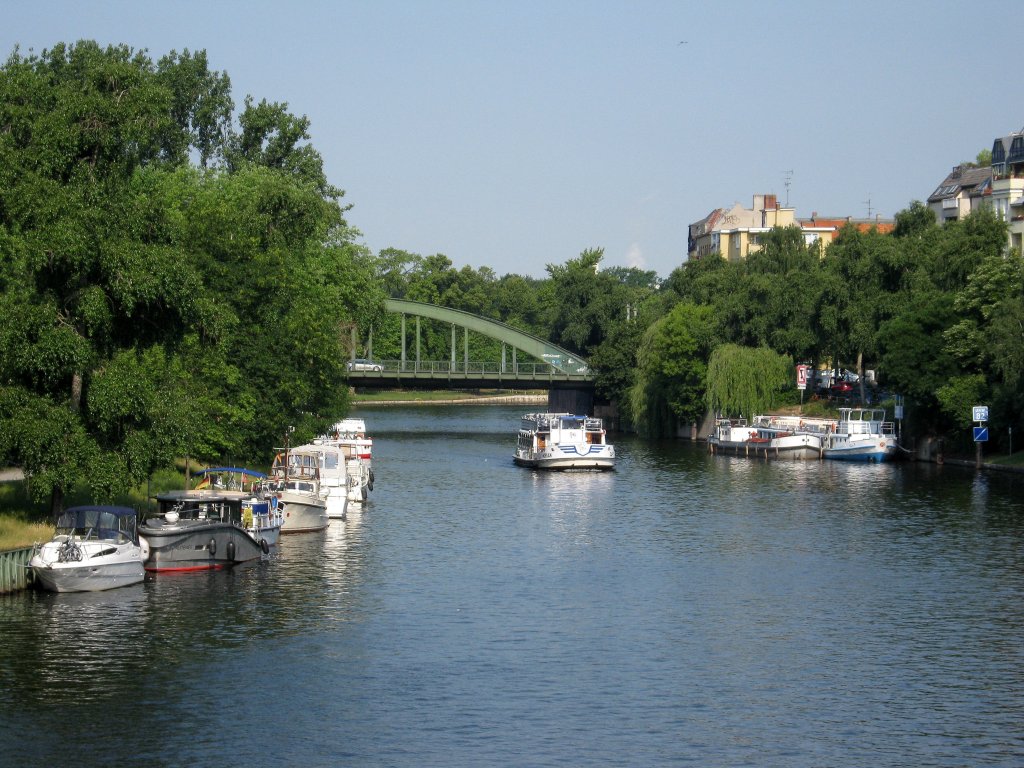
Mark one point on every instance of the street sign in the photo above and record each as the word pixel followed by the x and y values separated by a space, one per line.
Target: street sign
pixel 801 376
pixel 981 413
pixel 981 434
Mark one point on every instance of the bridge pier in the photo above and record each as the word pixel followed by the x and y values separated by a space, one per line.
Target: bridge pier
pixel 571 399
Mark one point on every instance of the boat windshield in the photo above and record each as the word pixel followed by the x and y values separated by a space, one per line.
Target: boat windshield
pixel 110 524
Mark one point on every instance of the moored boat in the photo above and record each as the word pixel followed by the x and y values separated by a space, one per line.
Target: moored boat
pixel 331 474
pixel 349 438
pixel 769 437
pixel 295 482
pixel 199 530
pixel 261 514
pixel 861 434
pixel 94 548
pixel 563 441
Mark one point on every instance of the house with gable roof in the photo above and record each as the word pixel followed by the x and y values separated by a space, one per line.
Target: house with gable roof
pixel 965 189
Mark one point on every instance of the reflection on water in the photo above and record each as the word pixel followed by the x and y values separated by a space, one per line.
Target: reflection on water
pixel 684 609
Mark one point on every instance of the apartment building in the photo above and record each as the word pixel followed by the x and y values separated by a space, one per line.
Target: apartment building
pixel 737 232
pixel 965 189
pixel 1008 184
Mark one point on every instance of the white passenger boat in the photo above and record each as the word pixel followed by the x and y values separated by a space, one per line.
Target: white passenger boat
pixel 199 530
pixel 563 441
pixel 295 482
pixel 94 548
pixel 861 434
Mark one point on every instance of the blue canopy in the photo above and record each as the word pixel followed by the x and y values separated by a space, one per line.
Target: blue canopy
pixel 235 470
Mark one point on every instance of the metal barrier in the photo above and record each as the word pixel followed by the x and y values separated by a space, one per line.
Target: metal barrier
pixel 14 571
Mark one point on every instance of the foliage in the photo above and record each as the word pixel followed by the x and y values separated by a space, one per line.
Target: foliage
pixel 157 307
pixel 744 381
pixel 671 367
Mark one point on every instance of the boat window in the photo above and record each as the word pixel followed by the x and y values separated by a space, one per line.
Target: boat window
pixel 330 461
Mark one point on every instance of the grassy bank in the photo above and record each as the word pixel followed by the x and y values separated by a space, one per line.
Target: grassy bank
pixel 24 522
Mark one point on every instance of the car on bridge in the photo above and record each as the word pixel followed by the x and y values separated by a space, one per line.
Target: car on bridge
pixel 361 364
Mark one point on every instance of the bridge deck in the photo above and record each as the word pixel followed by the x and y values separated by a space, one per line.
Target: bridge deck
pixel 437 375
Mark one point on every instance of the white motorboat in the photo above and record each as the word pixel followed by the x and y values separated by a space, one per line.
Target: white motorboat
pixel 563 441
pixel 349 438
pixel 295 482
pixel 333 479
pixel 200 530
pixel 862 434
pixel 94 548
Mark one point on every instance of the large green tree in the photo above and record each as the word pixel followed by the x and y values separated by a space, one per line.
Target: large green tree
pixel 169 285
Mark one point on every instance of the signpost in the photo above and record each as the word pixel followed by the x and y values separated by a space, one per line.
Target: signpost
pixel 801 381
pixel 980 415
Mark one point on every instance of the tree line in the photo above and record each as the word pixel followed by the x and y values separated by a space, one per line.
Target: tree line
pixel 179 278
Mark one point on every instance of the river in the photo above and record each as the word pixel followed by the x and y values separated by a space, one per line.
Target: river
pixel 686 609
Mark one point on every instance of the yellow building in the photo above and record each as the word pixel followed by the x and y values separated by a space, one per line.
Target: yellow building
pixel 737 232
pixel 734 233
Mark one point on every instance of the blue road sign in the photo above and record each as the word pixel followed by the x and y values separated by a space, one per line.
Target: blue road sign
pixel 981 434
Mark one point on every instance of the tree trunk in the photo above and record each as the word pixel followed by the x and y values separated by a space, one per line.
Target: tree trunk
pixel 860 374
pixel 57 494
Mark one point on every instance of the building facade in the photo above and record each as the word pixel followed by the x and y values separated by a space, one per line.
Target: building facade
pixel 1008 184
pixel 965 189
pixel 737 232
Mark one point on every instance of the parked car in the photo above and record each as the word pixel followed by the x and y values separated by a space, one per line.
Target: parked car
pixel 361 364
pixel 840 389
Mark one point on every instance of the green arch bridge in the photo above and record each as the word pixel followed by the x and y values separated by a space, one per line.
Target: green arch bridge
pixel 564 374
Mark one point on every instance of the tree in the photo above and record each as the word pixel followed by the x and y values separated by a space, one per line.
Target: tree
pixel 671 366
pixel 744 381
pixel 155 308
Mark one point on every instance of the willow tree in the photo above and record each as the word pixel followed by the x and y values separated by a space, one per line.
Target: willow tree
pixel 744 381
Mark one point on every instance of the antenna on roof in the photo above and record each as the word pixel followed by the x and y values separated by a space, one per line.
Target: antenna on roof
pixel 786 183
pixel 868 204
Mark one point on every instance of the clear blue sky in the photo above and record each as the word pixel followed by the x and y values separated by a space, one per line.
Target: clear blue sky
pixel 513 135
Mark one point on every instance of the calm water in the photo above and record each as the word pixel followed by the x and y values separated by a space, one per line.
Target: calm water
pixel 684 610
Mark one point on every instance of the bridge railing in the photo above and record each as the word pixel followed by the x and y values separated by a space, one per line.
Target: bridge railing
pixel 429 367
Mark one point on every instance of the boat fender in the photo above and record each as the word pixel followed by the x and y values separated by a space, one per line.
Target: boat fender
pixel 264 546
pixel 212 546
pixel 144 547
pixel 363 493
pixel 231 550
pixel 369 483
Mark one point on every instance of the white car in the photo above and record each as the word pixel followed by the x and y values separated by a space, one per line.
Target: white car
pixel 359 364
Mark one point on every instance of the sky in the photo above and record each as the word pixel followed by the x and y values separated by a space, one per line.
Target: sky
pixel 514 135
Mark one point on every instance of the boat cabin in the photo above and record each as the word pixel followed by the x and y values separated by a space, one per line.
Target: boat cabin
pixel 116 524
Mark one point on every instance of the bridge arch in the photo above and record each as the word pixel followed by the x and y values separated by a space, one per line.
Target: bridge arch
pixel 561 360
